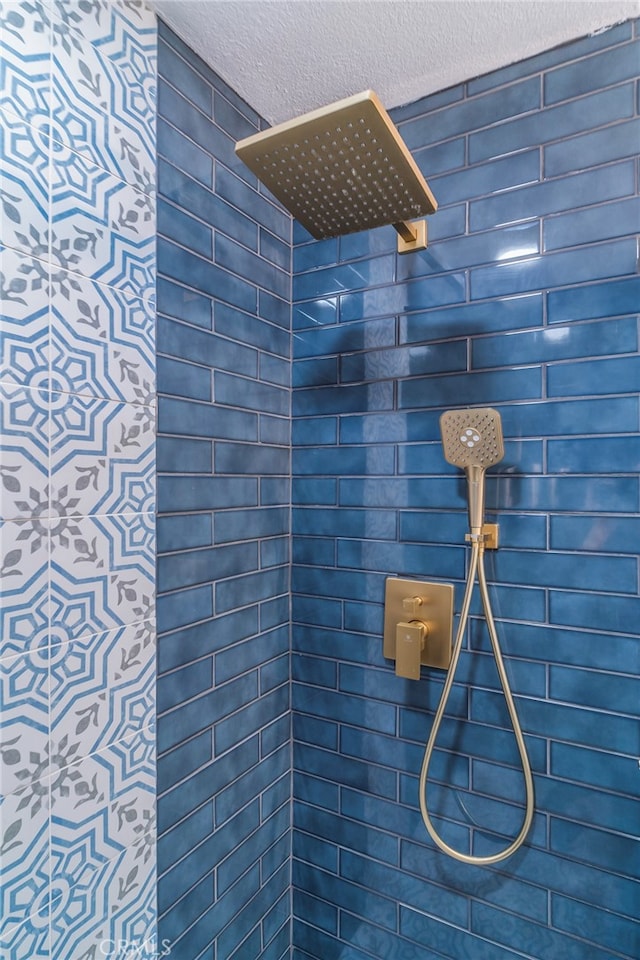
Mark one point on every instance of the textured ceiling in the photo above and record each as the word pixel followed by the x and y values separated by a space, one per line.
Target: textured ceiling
pixel 286 57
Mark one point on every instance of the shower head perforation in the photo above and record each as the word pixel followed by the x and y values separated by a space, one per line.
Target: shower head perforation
pixel 472 437
pixel 359 146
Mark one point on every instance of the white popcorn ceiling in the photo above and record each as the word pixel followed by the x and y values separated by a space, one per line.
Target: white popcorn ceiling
pixel 286 57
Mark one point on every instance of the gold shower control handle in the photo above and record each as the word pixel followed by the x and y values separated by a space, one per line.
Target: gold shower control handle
pixel 410 639
pixel 411 605
pixel 418 625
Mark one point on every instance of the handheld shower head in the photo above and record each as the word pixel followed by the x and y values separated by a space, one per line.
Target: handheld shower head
pixel 472 439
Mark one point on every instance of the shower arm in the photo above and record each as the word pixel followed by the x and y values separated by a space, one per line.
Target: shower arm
pixel 412 235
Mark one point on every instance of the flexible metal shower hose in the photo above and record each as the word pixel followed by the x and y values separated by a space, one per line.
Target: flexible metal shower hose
pixel 476 565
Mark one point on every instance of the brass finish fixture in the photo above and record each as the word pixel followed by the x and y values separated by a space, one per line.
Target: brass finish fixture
pixel 472 439
pixel 490 535
pixel 418 625
pixel 342 169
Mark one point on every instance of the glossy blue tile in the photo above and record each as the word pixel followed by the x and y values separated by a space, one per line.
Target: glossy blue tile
pixel 368 243
pixel 556 343
pixel 595 534
pixel 245 200
pixel 486 178
pixel 582 47
pixel 193 642
pixel 233 114
pixel 570 417
pixel 190 121
pixel 179 455
pixel 344 708
pixel 609 299
pixel 403 297
pixel 602 455
pixel 491 923
pixel 197 272
pixel 554 196
pixel 242 458
pixel 190 567
pixel 233 525
pixel 472 114
pixel 449 905
pixel 616 614
pixel 554 123
pixel 185 836
pixel 425 104
pixel 179 609
pixel 552 269
pixel 344 460
pixel 184 531
pixel 370 524
pixel 595 769
pixel 250 720
pixel 353 836
pixel 401 559
pixel 201 202
pixel 353 896
pixel 448 940
pixel 250 394
pixel 251 784
pixel 184 684
pixel 337 279
pixel 205 493
pixel 232 593
pixel 311 256
pixel 346 399
pixel 179 340
pixel 188 81
pixel 494 245
pixel 474 388
pixel 184 229
pixel 250 330
pixel 184 379
pixel 612 851
pixel 592 689
pixel 345 338
pixel 473 318
pixel 586 226
pixel 610 932
pixel 173 145
pixel 593 377
pixel 312 313
pixel 614 142
pixel 404 362
pixel 562 570
pixel 317 912
pixel 243 263
pixel 592 73
pixel 275 310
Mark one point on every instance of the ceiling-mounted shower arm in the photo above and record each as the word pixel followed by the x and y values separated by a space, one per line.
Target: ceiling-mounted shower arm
pixel 342 169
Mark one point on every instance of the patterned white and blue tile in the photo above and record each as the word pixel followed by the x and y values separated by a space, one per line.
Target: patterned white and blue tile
pixel 102 453
pixel 24 320
pixel 24 185
pixel 24 449
pixel 102 342
pixel 94 109
pixel 104 226
pixel 25 61
pixel 103 577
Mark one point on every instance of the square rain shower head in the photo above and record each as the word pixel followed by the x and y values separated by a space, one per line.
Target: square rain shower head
pixel 341 169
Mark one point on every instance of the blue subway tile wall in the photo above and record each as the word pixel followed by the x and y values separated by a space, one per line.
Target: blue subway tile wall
pixel 77 491
pixel 224 792
pixel 526 299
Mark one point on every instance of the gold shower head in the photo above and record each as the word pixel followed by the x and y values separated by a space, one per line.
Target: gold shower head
pixel 342 169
